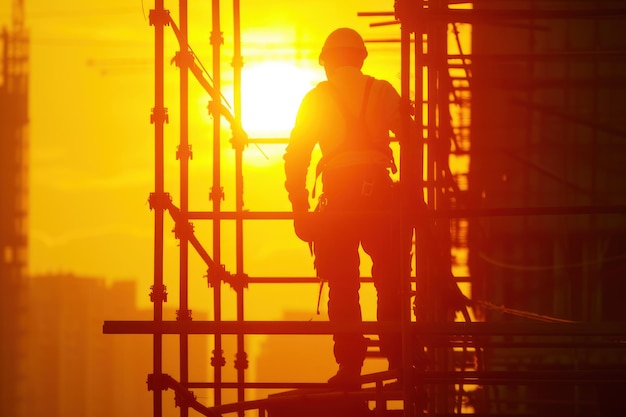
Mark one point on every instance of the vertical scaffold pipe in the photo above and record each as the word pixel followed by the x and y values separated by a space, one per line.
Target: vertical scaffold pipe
pixel 183 157
pixel 158 119
pixel 407 181
pixel 216 196
pixel 421 256
pixel 437 161
pixel 241 360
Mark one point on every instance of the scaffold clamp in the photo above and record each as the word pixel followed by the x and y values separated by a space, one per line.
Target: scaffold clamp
pixel 217 38
pixel 184 398
pixel 183 59
pixel 240 137
pixel 238 281
pixel 216 274
pixel 160 201
pixel 237 61
pixel 158 293
pixel 184 152
pixel 218 358
pixel 241 360
pixel 216 193
pixel 159 115
pixel 156 382
pixel 213 108
pixel 183 230
pixel 183 315
pixel 160 17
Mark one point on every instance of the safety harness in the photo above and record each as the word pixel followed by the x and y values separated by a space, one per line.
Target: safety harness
pixel 358 136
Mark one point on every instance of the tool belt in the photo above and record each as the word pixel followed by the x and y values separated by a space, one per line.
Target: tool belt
pixel 356 185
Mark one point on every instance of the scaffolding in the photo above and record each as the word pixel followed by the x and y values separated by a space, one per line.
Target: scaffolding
pixel 446 363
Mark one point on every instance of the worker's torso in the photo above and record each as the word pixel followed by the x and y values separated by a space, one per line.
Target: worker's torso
pixel 345 93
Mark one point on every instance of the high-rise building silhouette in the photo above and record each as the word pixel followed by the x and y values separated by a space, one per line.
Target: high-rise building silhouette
pixel 13 206
pixel 71 369
pixel 547 145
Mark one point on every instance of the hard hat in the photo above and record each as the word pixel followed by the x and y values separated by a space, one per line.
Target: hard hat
pixel 343 38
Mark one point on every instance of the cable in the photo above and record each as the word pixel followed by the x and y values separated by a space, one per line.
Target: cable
pixel 521 313
pixel 500 264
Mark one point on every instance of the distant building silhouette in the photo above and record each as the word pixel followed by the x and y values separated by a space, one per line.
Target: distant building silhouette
pixel 73 370
pixel 13 207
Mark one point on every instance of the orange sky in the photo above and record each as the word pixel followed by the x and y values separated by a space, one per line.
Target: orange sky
pixel 91 143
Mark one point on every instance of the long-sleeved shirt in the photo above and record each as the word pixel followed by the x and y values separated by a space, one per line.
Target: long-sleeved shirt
pixel 321 120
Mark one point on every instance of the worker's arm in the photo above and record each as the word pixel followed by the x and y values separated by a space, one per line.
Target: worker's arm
pixel 303 139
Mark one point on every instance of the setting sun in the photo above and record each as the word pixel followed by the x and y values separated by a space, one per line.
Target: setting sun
pixel 271 95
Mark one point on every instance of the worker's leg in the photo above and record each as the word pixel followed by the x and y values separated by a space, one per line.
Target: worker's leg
pixel 389 246
pixel 337 262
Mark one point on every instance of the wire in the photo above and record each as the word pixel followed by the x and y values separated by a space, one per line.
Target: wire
pixel 207 74
pixel 500 264
pixel 521 313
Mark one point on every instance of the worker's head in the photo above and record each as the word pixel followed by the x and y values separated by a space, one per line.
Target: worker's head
pixel 343 47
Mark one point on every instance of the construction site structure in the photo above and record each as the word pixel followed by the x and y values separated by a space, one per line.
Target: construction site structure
pixel 13 204
pixel 535 110
pixel 547 137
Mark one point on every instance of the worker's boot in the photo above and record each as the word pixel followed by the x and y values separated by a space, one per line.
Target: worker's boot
pixel 349 353
pixel 347 378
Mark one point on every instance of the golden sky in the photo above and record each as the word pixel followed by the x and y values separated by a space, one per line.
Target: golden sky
pixel 91 143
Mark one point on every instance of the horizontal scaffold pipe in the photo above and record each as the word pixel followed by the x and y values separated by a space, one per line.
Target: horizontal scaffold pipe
pixel 302 398
pixel 591 55
pixel 246 215
pixel 523 377
pixel 439 213
pixel 478 16
pixel 270 215
pixel 529 211
pixel 369 378
pixel 613 329
pixel 315 280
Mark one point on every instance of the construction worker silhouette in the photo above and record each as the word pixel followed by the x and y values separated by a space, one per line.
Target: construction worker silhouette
pixel 349 116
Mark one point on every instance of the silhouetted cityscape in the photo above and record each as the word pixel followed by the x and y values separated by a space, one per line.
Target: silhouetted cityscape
pixel 535 221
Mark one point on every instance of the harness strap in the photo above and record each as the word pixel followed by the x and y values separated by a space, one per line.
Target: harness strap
pixel 353 125
pixel 356 128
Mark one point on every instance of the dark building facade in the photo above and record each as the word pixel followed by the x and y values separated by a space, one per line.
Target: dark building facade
pixel 72 369
pixel 547 160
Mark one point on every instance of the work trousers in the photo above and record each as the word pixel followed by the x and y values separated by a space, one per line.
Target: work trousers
pixel 360 206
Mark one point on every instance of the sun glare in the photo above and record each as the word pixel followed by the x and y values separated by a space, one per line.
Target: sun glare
pixel 271 95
